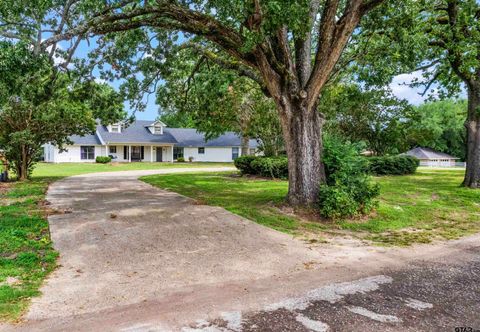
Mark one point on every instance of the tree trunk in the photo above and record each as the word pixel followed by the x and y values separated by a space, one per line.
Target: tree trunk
pixel 302 131
pixel 245 145
pixel 472 173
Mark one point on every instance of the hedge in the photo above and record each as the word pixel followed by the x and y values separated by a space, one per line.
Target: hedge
pixel 272 167
pixel 392 165
pixel 103 159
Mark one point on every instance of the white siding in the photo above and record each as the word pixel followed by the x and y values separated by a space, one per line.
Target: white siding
pixel 212 154
pixel 437 162
pixel 72 154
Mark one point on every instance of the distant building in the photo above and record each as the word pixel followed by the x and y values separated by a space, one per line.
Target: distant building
pixel 432 158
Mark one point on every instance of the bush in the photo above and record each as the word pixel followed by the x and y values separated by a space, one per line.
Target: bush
pixel 243 163
pixel 180 159
pixel 349 191
pixel 392 165
pixel 271 167
pixel 103 159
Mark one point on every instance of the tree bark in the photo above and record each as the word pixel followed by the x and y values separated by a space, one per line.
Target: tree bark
pixel 302 131
pixel 22 169
pixel 245 146
pixel 472 173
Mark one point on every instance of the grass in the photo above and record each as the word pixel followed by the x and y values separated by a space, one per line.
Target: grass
pixel 419 208
pixel 69 169
pixel 26 251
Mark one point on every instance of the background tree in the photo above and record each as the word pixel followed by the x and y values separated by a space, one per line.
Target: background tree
pixel 38 105
pixel 291 48
pixel 374 116
pixel 440 126
pixel 214 100
pixel 440 39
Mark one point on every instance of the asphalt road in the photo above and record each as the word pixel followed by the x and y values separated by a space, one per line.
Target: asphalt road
pixel 425 296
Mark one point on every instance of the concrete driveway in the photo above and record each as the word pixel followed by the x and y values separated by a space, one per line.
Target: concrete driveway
pixel 137 258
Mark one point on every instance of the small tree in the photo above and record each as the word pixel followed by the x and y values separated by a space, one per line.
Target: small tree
pixel 39 105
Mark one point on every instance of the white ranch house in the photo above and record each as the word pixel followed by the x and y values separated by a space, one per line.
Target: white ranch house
pixel 150 141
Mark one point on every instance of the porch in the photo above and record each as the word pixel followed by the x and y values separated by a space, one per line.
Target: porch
pixel 138 152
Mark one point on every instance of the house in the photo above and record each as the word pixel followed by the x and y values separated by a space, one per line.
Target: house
pixel 150 141
pixel 432 158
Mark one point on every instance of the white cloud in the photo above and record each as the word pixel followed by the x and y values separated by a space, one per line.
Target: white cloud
pixel 401 89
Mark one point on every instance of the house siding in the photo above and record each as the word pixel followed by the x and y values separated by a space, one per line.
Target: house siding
pixel 212 154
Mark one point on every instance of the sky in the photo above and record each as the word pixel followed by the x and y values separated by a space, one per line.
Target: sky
pixel 399 87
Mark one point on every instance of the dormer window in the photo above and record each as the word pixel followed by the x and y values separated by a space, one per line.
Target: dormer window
pixel 158 129
pixel 115 128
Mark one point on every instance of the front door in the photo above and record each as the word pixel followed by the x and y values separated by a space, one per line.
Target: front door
pixel 159 153
pixel 136 153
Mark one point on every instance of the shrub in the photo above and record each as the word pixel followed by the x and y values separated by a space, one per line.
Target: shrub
pixel 190 159
pixel 243 163
pixel 180 159
pixel 103 159
pixel 393 165
pixel 270 167
pixel 348 190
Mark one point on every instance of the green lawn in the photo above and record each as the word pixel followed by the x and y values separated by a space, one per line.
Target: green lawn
pixel 68 169
pixel 412 209
pixel 26 252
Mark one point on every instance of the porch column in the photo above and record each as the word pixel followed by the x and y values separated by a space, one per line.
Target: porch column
pixel 106 152
pixel 151 154
pixel 171 154
pixel 129 153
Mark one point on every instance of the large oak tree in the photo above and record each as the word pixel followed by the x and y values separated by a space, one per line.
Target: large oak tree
pixel 291 48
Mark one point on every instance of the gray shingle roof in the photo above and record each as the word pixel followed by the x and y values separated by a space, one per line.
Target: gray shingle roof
pixel 85 140
pixel 187 137
pixel 137 132
pixel 427 153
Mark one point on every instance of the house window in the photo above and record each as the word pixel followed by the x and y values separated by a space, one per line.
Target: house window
pixel 116 128
pixel 87 152
pixel 177 153
pixel 112 149
pixel 158 129
pixel 235 152
pixel 201 150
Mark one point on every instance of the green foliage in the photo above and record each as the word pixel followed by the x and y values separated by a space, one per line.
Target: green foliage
pixel 244 164
pixel 348 191
pixel 39 105
pixel 103 159
pixel 270 167
pixel 439 125
pixel 202 95
pixel 181 159
pixel 373 116
pixel 393 165
pixel 274 167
